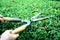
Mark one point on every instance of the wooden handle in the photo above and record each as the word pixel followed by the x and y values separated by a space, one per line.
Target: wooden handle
pixel 6 19
pixel 19 29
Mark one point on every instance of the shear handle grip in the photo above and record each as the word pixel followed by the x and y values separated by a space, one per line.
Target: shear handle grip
pixel 11 19
pixel 19 29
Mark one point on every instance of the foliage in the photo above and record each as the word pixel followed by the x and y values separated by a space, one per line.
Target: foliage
pixel 48 29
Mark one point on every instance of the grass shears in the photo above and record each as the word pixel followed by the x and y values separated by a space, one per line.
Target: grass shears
pixel 23 27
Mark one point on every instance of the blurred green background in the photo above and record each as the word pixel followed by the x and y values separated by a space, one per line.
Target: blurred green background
pixel 48 29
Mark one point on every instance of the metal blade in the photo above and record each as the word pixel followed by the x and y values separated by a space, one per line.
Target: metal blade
pixel 34 17
pixel 39 19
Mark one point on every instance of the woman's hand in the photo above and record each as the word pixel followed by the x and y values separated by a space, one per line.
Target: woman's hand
pixel 8 36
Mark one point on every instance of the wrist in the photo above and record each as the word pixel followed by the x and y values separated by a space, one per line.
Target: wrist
pixel 3 38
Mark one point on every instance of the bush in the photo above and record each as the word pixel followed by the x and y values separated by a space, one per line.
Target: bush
pixel 48 29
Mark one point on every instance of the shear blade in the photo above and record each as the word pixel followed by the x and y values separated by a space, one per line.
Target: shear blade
pixel 39 19
pixel 34 17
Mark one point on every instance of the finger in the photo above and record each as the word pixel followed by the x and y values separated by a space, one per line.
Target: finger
pixel 1 16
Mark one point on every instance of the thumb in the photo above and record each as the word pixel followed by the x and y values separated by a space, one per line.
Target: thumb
pixel 15 35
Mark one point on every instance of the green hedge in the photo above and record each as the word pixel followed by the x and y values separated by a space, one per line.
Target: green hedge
pixel 48 29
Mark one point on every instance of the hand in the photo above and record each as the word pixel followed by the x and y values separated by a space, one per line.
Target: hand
pixel 8 36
